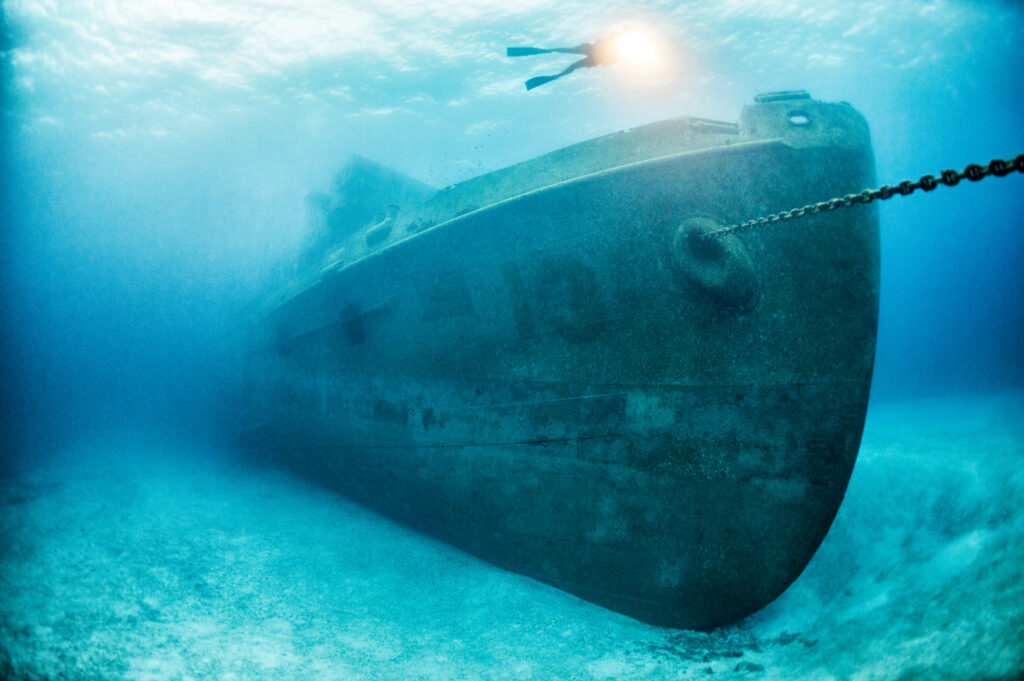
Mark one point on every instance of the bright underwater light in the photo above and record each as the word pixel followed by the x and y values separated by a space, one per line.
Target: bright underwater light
pixel 634 47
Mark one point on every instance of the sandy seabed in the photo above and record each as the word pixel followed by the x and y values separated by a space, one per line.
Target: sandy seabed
pixel 125 557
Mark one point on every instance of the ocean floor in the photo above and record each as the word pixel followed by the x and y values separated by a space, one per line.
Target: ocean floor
pixel 127 557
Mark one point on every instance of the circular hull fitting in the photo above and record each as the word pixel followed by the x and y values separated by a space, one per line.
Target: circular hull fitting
pixel 718 266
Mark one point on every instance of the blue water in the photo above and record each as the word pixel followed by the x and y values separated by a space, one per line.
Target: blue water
pixel 156 157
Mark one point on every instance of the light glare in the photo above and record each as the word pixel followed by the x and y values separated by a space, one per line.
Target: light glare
pixel 635 48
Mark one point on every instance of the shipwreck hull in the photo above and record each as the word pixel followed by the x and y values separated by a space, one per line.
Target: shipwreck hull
pixel 571 383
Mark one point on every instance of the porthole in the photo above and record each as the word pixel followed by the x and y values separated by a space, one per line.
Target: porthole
pixel 798 119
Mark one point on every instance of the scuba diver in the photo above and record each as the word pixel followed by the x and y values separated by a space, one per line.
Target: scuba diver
pixel 604 52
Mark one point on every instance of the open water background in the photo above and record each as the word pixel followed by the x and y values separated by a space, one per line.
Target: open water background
pixel 156 158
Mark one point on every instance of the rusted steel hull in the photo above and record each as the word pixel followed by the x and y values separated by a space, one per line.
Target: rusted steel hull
pixel 570 385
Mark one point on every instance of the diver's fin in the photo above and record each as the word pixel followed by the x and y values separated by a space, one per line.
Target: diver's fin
pixel 528 51
pixel 538 81
pixel 525 51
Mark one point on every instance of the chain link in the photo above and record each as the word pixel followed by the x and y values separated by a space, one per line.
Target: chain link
pixel 950 178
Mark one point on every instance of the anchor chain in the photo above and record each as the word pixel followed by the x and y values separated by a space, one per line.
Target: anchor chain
pixel 950 178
